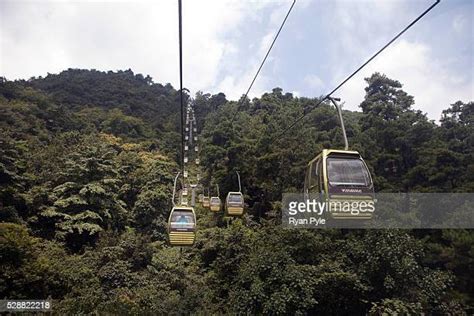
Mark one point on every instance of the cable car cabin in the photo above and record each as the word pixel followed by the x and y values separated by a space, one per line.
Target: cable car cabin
pixel 186 137
pixel 196 148
pixel 187 129
pixel 195 130
pixel 182 226
pixel 185 159
pixel 234 204
pixel 185 174
pixel 186 147
pixel 195 138
pixel 197 161
pixel 215 204
pixel 339 176
pixel 205 201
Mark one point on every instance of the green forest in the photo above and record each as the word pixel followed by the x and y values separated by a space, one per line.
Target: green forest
pixel 87 163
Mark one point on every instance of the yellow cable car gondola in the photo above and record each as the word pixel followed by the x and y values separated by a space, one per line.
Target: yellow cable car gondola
pixel 215 204
pixel 205 201
pixel 234 204
pixel 181 222
pixel 182 226
pixel 215 201
pixel 337 176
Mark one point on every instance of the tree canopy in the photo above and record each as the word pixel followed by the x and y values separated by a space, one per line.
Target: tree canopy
pixel 87 161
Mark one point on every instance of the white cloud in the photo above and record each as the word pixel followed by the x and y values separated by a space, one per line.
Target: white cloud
pixel 314 83
pixel 225 41
pixel 235 87
pixel 38 37
pixel 431 77
pixel 459 23
pixel 428 79
pixel 265 43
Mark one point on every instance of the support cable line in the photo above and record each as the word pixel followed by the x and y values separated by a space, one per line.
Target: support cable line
pixel 182 219
pixel 263 62
pixel 181 82
pixel 309 109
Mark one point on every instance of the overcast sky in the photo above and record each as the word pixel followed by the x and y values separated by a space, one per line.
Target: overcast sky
pixel 224 42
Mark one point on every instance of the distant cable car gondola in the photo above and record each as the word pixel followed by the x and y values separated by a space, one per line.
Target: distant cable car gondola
pixel 215 204
pixel 205 201
pixel 234 203
pixel 197 161
pixel 338 176
pixel 181 223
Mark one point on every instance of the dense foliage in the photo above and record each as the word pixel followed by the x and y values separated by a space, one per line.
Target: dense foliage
pixel 87 160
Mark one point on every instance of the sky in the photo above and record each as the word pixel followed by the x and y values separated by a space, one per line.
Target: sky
pixel 224 42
